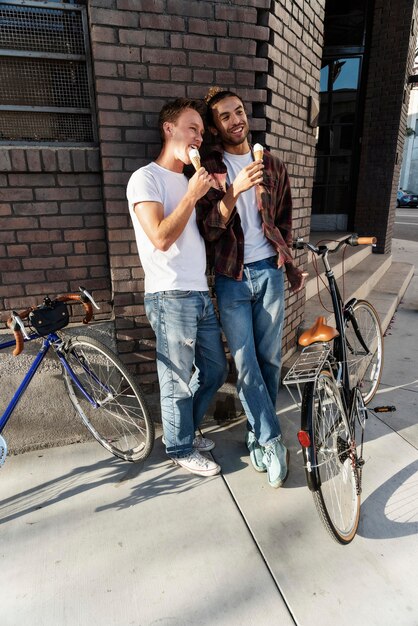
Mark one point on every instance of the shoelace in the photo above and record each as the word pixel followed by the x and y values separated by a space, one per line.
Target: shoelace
pixel 268 452
pixel 198 458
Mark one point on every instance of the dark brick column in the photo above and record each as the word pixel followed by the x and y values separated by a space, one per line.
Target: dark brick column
pixel 386 108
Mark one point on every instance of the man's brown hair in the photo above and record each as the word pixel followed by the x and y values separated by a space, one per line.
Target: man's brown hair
pixel 213 96
pixel 173 109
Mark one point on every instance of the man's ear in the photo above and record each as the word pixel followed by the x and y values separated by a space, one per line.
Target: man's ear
pixel 168 128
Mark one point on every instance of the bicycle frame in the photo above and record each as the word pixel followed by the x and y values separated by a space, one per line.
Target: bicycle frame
pixel 340 348
pixel 56 342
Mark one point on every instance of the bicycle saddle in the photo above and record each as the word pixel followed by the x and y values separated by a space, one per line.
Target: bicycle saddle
pixel 320 331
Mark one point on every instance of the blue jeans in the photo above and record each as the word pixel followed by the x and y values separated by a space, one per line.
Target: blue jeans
pixel 252 313
pixel 191 362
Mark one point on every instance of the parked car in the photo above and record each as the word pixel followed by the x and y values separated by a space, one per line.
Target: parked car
pixel 406 198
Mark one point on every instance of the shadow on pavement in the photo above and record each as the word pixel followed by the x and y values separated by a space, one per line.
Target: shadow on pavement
pixel 392 509
pixel 158 477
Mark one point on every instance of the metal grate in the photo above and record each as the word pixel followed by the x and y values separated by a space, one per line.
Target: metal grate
pixel 35 126
pixel 45 80
pixel 41 29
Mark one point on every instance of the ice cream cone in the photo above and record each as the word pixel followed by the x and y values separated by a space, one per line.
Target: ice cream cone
pixel 194 158
pixel 258 152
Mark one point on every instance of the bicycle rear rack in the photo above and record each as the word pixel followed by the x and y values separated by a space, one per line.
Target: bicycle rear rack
pixel 307 367
pixel 309 364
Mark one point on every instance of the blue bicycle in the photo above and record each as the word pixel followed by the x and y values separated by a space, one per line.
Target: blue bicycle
pixel 100 387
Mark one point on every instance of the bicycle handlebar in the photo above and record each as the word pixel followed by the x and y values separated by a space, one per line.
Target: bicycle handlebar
pixel 351 240
pixel 15 322
pixel 365 241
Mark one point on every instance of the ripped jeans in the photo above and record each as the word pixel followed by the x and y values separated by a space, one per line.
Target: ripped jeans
pixel 191 362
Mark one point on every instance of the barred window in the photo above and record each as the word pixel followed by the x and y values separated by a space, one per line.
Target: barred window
pixel 46 91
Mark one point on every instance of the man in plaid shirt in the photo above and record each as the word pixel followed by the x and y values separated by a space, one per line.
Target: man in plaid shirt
pixel 246 220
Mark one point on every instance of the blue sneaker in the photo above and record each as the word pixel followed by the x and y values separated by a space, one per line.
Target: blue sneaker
pixel 276 460
pixel 256 452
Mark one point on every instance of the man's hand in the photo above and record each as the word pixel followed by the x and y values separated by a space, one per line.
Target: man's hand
pixel 296 277
pixel 200 183
pixel 248 177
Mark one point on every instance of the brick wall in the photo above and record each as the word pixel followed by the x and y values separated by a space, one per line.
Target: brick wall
pixel 385 117
pixel 294 53
pixel 146 52
pixel 52 234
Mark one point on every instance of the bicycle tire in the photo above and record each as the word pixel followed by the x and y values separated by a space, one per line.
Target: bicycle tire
pixel 121 422
pixel 365 370
pixel 334 480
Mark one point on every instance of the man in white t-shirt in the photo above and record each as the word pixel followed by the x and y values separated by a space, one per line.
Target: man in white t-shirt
pixel 247 219
pixel 190 356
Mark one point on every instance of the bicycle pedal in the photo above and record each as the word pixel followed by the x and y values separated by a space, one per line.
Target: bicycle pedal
pixel 384 409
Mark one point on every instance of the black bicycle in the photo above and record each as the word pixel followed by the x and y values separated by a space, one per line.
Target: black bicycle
pixel 340 368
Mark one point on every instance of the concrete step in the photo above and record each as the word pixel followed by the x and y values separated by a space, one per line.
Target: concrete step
pixel 356 283
pixel 342 261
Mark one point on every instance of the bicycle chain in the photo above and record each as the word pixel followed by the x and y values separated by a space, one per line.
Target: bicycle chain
pixel 346 451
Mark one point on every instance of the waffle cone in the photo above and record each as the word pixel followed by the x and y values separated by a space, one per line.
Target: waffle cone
pixel 195 162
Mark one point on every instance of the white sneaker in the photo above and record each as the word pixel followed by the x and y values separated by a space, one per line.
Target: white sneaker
pixel 198 464
pixel 200 443
pixel 203 444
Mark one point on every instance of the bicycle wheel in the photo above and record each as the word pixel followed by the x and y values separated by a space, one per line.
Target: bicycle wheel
pixel 364 366
pixel 335 487
pixel 119 418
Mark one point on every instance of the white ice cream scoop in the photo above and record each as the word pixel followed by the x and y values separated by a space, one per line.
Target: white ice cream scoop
pixel 258 152
pixel 194 158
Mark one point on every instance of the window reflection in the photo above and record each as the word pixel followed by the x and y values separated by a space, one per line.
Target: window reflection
pixel 344 45
pixel 338 86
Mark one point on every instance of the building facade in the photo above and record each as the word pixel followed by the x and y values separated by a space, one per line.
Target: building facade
pixel 326 87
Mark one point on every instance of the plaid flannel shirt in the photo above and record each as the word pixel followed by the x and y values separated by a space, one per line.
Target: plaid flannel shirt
pixel 226 241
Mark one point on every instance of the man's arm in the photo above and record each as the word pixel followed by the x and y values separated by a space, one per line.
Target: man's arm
pixel 248 177
pixel 216 209
pixel 283 216
pixel 164 231
pixel 283 221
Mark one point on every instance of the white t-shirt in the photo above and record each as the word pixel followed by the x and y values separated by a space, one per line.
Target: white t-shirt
pixel 256 246
pixel 183 265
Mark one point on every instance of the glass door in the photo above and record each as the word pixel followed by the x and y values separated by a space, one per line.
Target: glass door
pixel 332 191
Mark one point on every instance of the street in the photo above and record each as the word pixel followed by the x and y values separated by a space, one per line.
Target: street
pixel 406 224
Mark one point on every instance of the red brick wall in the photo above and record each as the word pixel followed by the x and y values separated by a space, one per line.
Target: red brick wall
pixel 52 234
pixel 146 52
pixel 386 109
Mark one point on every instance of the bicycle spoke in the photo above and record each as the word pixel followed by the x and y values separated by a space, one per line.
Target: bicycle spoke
pixel 119 419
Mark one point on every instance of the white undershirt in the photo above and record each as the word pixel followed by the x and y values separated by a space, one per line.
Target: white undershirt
pixel 183 265
pixel 256 246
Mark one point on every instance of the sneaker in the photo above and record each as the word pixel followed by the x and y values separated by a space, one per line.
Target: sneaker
pixel 200 443
pixel 198 464
pixel 203 444
pixel 256 452
pixel 276 460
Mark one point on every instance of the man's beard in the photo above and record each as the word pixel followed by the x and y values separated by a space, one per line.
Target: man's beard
pixel 235 141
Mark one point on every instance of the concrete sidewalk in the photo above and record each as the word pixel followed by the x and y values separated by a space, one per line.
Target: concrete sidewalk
pixel 86 538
